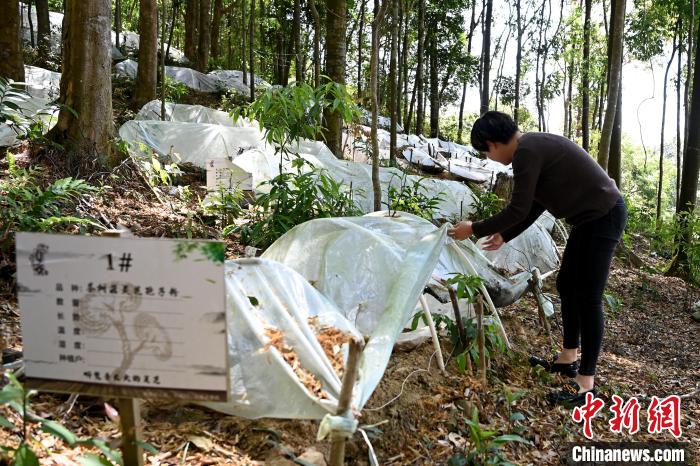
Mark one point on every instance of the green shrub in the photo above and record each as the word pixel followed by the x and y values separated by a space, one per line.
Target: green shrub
pixel 25 206
pixel 413 198
pixel 293 199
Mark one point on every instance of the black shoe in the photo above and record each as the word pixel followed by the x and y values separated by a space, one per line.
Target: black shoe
pixel 569 395
pixel 568 370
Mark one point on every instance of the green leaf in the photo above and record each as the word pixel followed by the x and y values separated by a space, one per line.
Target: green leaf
pixel 148 447
pixel 24 456
pixel 10 393
pixel 517 416
pixel 457 460
pixel 6 423
pixel 58 430
pixel 94 460
pixel 509 438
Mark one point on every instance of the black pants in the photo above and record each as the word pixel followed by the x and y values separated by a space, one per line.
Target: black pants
pixel 582 279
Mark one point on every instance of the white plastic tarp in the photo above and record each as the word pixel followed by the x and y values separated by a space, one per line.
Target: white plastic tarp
pixel 233 79
pixel 263 293
pixel 187 114
pixel 41 87
pixel 187 76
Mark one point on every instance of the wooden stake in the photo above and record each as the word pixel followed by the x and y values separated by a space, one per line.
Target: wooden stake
pixel 129 408
pixel 480 335
pixel 130 419
pixel 433 333
pixel 458 317
pixel 338 438
pixel 535 288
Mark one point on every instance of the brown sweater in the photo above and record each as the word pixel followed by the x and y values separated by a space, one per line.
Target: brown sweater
pixel 551 173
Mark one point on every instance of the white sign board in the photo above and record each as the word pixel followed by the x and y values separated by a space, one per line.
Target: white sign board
pixel 131 312
pixel 221 172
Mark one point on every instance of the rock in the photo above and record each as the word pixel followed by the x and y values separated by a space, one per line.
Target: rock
pixel 696 314
pixel 313 456
pixel 408 341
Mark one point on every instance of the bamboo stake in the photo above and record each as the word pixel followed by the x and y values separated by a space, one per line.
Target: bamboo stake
pixel 433 334
pixel 458 317
pixel 535 288
pixel 338 439
pixel 480 335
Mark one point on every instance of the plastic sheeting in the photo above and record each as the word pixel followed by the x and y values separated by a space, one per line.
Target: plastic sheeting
pixel 195 143
pixel 233 79
pixel 42 86
pixel 187 114
pixel 187 76
pixel 262 383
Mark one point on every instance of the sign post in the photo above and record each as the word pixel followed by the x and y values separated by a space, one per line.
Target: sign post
pixel 130 318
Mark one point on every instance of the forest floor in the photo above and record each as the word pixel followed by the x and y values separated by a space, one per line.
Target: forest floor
pixel 651 348
pixel 416 415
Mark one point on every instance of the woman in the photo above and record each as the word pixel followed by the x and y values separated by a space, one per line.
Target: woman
pixel 552 173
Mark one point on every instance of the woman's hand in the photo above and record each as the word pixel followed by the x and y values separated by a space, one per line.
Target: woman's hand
pixel 460 231
pixel 493 242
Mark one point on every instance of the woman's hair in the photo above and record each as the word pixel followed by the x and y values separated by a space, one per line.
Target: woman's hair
pixel 494 127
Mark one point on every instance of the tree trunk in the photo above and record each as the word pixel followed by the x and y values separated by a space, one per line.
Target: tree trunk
pixel 617 24
pixel 117 19
pixel 419 66
pixel 244 41
pixel 43 29
pixel 296 26
pixel 191 30
pixel 176 11
pixel 216 29
pixel 85 125
pixel 689 77
pixel 472 27
pixel 486 58
pixel 317 43
pixel 404 65
pixel 204 36
pixel 393 81
pixel 615 161
pixel 11 60
pixel 585 78
pixel 336 22
pixel 146 76
pixel 360 48
pixel 679 75
pixel 689 182
pixel 251 45
pixel 518 61
pixel 434 89
pixel 374 59
pixel 660 186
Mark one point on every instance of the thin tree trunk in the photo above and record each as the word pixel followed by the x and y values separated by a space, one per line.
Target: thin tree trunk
pixel 618 18
pixel 117 19
pixel 569 101
pixel 689 77
pixel 434 90
pixel 419 66
pixel 486 58
pixel 173 18
pixel 679 74
pixel 204 36
pixel 689 182
pixel 147 74
pixel 393 81
pixel 251 45
pixel 244 42
pixel 163 15
pixel 518 61
pixel 216 29
pixel 472 27
pixel 404 59
pixel 31 23
pixel 376 24
pixel 85 127
pixel 43 29
pixel 191 26
pixel 615 161
pixel 585 78
pixel 296 31
pixel 360 48
pixel 336 21
pixel 660 186
pixel 317 43
pixel 11 60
